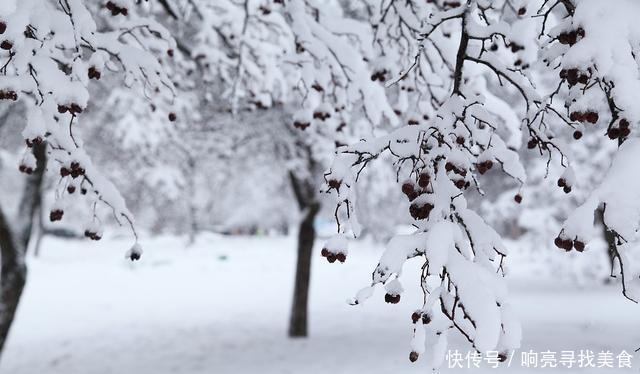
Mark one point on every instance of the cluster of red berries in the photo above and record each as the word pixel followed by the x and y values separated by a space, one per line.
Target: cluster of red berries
pixel 571 37
pixel 265 10
pixel 334 184
pixel 420 210
pixel 484 166
pixel 75 170
pixel 590 116
pixel 56 215
pixel 391 298
pixel 515 47
pixel 622 131
pixel 321 115
pixel 94 73
pixel 521 64
pixel 574 76
pixel 35 141
pixel 413 122
pixel 566 187
pixel 6 45
pixel 460 183
pixel 568 244
pixel 532 143
pixel 450 4
pixel 25 169
pixel 380 75
pixel 72 108
pixel 115 10
pixel 301 125
pixel 409 188
pixel 419 315
pixel 332 257
pixel 8 95
pixel 92 235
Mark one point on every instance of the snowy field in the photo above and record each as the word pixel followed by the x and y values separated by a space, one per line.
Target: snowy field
pixel 221 306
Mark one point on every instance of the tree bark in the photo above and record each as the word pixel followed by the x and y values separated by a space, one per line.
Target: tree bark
pixel 610 239
pixel 304 192
pixel 13 245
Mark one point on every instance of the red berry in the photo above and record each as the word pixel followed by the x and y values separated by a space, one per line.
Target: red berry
pixel 407 188
pixel 558 242
pixel 6 45
pixel 423 180
pixel 391 299
pixel 502 356
pixel 413 356
pixel 518 198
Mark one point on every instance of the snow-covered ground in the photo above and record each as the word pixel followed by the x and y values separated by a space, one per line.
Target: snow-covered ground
pixel 221 306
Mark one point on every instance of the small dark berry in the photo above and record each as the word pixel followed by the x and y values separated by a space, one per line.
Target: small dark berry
pixel 613 133
pixel 407 188
pixel 6 45
pixel 558 242
pixel 423 180
pixel 413 356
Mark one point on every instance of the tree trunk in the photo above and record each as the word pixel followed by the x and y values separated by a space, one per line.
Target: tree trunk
pixel 13 245
pixel 299 308
pixel 13 275
pixel 38 231
pixel 610 239
pixel 304 192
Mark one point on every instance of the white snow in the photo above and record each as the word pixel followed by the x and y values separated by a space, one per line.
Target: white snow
pixel 222 306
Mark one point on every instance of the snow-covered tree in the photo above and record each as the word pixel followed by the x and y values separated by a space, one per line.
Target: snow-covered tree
pixel 52 51
pixel 490 48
